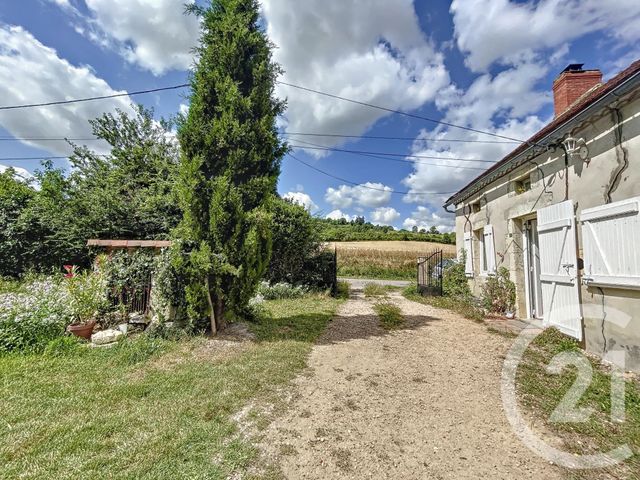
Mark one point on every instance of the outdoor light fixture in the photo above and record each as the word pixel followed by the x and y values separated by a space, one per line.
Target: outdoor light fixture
pixel 577 146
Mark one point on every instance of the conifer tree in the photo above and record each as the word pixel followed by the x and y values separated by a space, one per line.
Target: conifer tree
pixel 230 163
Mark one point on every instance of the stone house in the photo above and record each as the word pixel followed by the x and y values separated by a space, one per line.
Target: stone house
pixel 562 213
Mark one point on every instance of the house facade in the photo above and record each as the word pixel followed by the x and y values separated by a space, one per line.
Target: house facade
pixel 562 214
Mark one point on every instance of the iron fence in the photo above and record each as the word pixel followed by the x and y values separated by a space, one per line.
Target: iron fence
pixel 133 298
pixel 429 274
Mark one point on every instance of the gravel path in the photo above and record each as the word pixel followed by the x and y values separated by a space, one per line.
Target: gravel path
pixel 418 403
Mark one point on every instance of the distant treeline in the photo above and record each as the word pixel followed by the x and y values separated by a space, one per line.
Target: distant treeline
pixel 358 230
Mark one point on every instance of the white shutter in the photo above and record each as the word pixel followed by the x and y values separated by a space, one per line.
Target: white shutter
pixel 468 248
pixel 558 268
pixel 490 250
pixel 611 240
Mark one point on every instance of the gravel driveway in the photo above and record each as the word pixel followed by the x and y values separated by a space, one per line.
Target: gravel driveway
pixel 418 403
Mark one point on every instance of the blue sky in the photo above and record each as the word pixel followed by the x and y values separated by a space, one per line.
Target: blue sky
pixel 482 64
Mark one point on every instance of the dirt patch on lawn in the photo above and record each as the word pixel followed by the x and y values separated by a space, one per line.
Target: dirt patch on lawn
pixel 419 402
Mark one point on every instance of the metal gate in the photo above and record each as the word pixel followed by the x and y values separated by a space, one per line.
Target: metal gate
pixel 430 270
pixel 132 298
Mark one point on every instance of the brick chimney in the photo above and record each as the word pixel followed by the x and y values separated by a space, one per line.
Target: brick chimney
pixel 571 84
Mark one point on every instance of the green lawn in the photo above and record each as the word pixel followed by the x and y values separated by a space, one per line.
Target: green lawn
pixel 149 408
pixel 541 392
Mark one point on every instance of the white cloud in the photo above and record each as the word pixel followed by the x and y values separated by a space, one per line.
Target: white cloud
pixel 31 72
pixel 505 104
pixel 301 199
pixel 20 172
pixel 366 195
pixel 155 35
pixel 375 53
pixel 338 214
pixel 423 218
pixel 384 216
pixel 501 30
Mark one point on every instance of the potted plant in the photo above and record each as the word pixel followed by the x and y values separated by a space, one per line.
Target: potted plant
pixel 86 294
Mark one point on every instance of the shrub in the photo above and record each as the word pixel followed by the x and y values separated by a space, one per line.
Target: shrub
pixel 87 293
pixel 499 292
pixel 280 291
pixel 455 282
pixel 390 315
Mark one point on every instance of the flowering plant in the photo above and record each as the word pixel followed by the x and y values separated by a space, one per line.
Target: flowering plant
pixel 32 317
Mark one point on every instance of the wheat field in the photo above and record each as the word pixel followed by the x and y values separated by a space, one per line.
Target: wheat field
pixel 380 259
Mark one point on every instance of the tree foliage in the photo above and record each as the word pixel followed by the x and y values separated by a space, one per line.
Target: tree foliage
pixel 343 230
pixel 230 163
pixel 126 194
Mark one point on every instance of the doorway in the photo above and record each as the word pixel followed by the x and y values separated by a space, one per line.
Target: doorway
pixel 532 269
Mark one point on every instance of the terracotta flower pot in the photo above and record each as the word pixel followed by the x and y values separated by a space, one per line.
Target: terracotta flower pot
pixel 83 330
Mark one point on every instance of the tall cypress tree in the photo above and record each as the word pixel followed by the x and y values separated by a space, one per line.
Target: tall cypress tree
pixel 230 162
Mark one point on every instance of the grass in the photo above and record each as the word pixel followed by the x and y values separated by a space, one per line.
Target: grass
pixel 343 290
pixel 148 408
pixel 377 290
pixel 384 260
pixel 462 306
pixel 374 290
pixel 541 392
pixel 390 315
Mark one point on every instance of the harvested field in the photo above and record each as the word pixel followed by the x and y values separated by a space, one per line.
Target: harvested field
pixel 388 260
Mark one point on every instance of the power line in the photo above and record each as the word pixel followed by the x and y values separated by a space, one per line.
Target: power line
pixel 318 92
pixel 90 99
pixel 32 158
pixel 400 112
pixel 46 139
pixel 411 139
pixel 365 186
pixel 329 135
pixel 401 160
pixel 11 159
pixel 395 154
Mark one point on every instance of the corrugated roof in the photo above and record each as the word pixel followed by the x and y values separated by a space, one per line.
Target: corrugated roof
pixel 579 105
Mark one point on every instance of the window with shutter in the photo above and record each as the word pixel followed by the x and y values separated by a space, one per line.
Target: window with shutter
pixel 487 252
pixel 468 249
pixel 611 242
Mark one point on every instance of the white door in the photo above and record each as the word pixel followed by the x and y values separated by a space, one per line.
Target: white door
pixel 559 281
pixel 532 269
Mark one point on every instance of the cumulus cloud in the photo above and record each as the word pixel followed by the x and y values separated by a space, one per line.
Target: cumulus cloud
pixel 338 214
pixel 505 31
pixel 303 199
pixel 376 54
pixel 20 172
pixel 504 104
pixel 384 216
pixel 366 195
pixel 424 218
pixel 157 36
pixel 31 72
